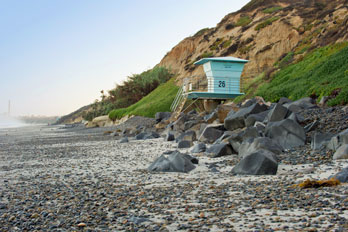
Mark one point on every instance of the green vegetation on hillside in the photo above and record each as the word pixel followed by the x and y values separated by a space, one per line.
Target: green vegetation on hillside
pixel 243 21
pixel 322 72
pixel 266 23
pixel 272 9
pixel 158 100
pixel 131 91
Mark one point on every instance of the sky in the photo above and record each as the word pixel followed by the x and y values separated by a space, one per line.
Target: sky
pixel 57 55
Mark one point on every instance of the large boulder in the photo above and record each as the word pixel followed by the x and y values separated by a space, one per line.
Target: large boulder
pixel 342 176
pixel 223 110
pixel 161 116
pixel 201 147
pixel 319 140
pixel 253 118
pixel 263 143
pixel 301 104
pixel 218 150
pixel 188 136
pixel 147 135
pixel 185 144
pixel 278 113
pixel 223 137
pixel 235 140
pixel 170 136
pixel 179 124
pixel 287 133
pixel 341 153
pixel 210 134
pixel 338 140
pixel 260 162
pixel 210 118
pixel 176 162
pixel 236 120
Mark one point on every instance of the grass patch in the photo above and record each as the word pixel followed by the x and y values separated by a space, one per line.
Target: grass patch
pixel 201 32
pixel 158 100
pixel 226 43
pixel 266 23
pixel 243 21
pixel 322 72
pixel 272 9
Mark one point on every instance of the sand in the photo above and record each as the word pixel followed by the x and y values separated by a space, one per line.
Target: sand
pixel 69 179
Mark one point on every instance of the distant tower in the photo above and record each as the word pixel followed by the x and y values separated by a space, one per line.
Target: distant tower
pixel 9 108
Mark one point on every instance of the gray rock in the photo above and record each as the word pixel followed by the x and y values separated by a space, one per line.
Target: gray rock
pixel 170 136
pixel 179 125
pixel 284 100
pixel 263 143
pixel 295 117
pixel 218 150
pixel 161 116
pixel 287 133
pixel 319 140
pixel 303 103
pixel 124 140
pixel 147 135
pixel 236 120
pixel 201 147
pixel 235 141
pixel 341 153
pixel 188 135
pixel 278 113
pixel 253 118
pixel 311 126
pixel 194 160
pixel 342 176
pixel 176 162
pixel 190 124
pixel 210 134
pixel 210 118
pixel 250 132
pixel 257 163
pixel 185 144
pixel 225 135
pixel 338 140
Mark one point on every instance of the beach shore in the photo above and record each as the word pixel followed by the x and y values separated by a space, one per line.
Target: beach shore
pixel 66 179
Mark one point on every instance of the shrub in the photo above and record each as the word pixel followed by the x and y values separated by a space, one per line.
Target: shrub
pixel 201 32
pixel 272 9
pixel 266 23
pixel 158 100
pixel 243 21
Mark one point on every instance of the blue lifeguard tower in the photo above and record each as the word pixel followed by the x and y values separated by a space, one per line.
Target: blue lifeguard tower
pixel 223 74
pixel 223 81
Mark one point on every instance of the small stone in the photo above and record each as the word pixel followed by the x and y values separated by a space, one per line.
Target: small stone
pixel 81 224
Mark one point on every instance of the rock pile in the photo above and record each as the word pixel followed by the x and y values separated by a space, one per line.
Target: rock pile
pixel 262 134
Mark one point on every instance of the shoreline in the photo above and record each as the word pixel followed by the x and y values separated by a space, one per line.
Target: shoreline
pixel 68 179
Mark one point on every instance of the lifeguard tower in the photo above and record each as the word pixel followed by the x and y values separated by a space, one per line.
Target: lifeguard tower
pixel 222 81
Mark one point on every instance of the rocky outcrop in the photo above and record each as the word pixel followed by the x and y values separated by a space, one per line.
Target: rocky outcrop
pixel 263 37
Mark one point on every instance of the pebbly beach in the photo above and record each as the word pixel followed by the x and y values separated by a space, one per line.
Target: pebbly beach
pixel 71 178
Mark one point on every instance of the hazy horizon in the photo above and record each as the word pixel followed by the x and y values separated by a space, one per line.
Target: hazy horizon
pixel 56 56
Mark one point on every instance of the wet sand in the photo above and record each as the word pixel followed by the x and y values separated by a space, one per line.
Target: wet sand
pixel 54 179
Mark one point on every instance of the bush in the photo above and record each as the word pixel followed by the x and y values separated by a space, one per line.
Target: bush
pixel 272 9
pixel 158 100
pixel 130 92
pixel 266 23
pixel 243 21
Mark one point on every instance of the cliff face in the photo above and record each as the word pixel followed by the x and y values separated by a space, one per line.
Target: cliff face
pixel 263 32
